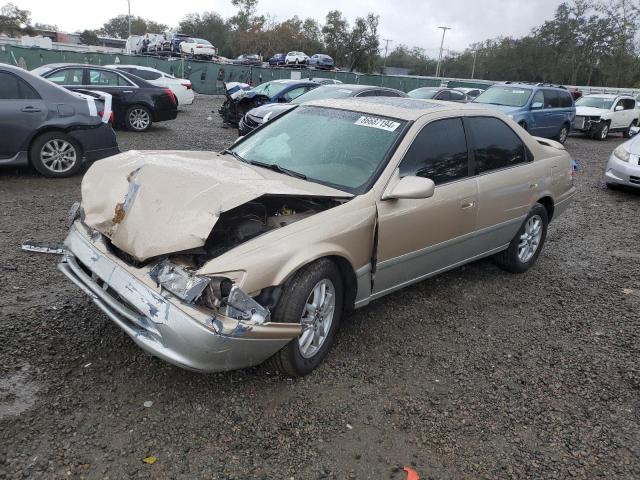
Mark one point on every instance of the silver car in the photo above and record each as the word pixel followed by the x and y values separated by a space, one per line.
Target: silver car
pixel 623 167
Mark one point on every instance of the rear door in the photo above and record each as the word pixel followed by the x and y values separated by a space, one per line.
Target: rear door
pixel 419 237
pixel 508 180
pixel 117 85
pixel 22 111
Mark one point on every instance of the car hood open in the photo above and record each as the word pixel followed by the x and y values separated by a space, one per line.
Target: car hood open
pixel 151 203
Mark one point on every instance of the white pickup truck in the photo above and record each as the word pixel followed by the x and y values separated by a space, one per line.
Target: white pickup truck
pixel 598 115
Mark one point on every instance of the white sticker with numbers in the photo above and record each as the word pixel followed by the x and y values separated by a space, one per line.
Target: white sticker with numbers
pixel 381 123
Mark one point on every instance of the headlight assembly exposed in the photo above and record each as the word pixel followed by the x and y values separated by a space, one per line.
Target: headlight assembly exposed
pixel 178 280
pixel 621 154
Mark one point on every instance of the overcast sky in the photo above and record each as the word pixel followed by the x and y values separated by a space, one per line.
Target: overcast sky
pixel 412 22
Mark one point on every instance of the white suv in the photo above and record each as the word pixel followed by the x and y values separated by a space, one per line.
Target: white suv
pixel 597 115
pixel 296 58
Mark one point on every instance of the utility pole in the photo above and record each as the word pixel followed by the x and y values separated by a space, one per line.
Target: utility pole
pixel 473 69
pixel 444 30
pixel 386 49
pixel 129 16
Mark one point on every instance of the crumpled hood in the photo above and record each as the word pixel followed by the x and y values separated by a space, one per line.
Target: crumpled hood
pixel 590 111
pixel 158 202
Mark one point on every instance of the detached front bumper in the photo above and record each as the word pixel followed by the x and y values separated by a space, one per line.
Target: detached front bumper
pixel 623 173
pixel 161 324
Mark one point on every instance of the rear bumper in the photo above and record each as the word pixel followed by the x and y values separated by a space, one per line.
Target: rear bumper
pixel 157 322
pixel 165 114
pixel 96 143
pixel 623 173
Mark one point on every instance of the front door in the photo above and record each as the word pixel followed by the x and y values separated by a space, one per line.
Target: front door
pixel 22 112
pixel 420 237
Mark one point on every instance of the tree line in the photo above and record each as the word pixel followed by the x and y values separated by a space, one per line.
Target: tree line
pixel 586 42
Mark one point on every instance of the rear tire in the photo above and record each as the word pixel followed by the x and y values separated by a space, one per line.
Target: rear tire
pixel 56 155
pixel 563 134
pixel 303 354
pixel 138 118
pixel 627 132
pixel 527 244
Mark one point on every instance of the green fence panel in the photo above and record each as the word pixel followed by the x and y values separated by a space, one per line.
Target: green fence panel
pixel 209 77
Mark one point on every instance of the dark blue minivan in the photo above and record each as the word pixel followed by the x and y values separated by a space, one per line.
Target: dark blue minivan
pixel 541 109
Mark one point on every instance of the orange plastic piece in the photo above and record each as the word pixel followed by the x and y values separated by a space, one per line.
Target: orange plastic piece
pixel 411 474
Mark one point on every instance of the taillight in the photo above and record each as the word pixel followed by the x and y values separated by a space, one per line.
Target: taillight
pixel 199 46
pixel 187 85
pixel 171 95
pixel 100 114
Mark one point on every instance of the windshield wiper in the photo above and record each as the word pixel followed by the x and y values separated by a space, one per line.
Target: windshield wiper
pixel 277 168
pixel 270 166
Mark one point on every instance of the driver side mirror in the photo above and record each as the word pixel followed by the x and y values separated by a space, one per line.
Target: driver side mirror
pixel 411 187
pixel 619 108
pixel 537 106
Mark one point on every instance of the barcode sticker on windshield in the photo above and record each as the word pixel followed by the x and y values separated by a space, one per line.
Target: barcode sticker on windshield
pixel 380 123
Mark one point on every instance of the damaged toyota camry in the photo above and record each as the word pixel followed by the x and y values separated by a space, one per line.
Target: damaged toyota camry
pixel 221 261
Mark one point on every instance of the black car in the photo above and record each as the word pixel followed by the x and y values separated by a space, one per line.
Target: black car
pixel 248 59
pixel 262 114
pixel 136 102
pixel 50 128
pixel 439 93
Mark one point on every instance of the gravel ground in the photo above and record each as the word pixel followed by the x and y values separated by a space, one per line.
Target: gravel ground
pixel 474 374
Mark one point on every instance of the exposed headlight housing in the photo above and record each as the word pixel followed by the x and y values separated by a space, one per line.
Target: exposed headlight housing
pixel 176 279
pixel 621 154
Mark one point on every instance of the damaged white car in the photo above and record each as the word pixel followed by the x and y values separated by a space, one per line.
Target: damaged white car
pixel 221 261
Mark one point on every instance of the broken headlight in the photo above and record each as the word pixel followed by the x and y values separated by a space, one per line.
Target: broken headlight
pixel 231 301
pixel 179 281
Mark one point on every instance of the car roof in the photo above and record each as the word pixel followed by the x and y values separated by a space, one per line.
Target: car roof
pixel 606 95
pixel 357 88
pixel 126 65
pixel 404 108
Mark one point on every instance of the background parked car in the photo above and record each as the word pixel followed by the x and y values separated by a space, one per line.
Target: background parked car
pixel 136 102
pixel 277 59
pixel 543 110
pixel 326 81
pixel 198 48
pixel 248 59
pixel 52 129
pixel 623 167
pixel 259 115
pixel 296 58
pixel 471 92
pixel 599 115
pixel 173 41
pixel 320 60
pixel 181 87
pixel 437 93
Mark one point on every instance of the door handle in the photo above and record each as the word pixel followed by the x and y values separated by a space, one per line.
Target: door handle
pixel 30 109
pixel 466 204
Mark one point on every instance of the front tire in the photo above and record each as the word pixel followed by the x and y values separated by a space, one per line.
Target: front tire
pixel 138 119
pixel 56 155
pixel 602 132
pixel 312 297
pixel 525 247
pixel 627 132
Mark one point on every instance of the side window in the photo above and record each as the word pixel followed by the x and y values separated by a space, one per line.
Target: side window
pixel 495 145
pixel 565 100
pixel 538 98
pixel 14 88
pixel 387 93
pixel 551 99
pixel 457 96
pixel 295 93
pixel 439 152
pixel 628 103
pixel 67 76
pixel 147 74
pixel 104 79
pixel 445 95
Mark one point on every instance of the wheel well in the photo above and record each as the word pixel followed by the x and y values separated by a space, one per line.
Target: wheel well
pixel 348 278
pixel 48 130
pixel 547 203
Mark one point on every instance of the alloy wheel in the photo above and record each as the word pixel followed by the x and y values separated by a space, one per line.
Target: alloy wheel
pixel 564 133
pixel 604 132
pixel 530 238
pixel 139 118
pixel 317 317
pixel 58 155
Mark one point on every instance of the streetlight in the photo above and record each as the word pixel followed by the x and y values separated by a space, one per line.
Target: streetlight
pixel 386 49
pixel 444 30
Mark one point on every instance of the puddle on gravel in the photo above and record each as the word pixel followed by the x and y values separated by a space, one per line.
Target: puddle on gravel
pixel 17 393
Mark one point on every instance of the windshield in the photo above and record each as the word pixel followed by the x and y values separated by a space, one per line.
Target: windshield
pixel 347 153
pixel 323 93
pixel 595 102
pixel 270 88
pixel 423 93
pixel 506 96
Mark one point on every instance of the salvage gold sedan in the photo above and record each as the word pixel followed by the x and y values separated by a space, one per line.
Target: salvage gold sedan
pixel 220 261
